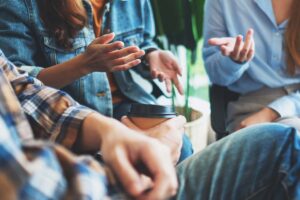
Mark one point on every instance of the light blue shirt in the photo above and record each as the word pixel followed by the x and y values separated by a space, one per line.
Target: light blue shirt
pixel 229 18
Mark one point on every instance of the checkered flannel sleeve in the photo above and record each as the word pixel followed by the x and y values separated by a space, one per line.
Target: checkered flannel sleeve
pixel 52 113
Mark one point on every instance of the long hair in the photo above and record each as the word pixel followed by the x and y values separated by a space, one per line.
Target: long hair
pixel 292 39
pixel 63 19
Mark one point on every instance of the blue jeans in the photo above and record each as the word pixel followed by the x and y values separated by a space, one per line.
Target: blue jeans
pixel 257 163
pixel 121 109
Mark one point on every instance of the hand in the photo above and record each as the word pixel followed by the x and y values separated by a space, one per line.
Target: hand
pixel 169 133
pixel 164 66
pixel 236 48
pixel 103 56
pixel 133 156
pixel 264 115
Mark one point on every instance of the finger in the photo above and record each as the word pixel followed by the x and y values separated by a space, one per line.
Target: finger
pixel 123 52
pixel 126 66
pixel 178 85
pixel 225 50
pixel 125 120
pixel 126 173
pixel 127 59
pixel 177 67
pixel 163 174
pixel 104 39
pixel 168 85
pixel 218 41
pixel 247 46
pixel 251 52
pixel 237 48
pixel 154 73
pixel 112 47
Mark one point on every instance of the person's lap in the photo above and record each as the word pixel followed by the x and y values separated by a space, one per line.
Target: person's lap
pixel 260 162
pixel 250 103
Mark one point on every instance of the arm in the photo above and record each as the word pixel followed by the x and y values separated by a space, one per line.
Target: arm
pixel 148 43
pixel 286 106
pixel 20 43
pixel 162 64
pixel 130 155
pixel 221 69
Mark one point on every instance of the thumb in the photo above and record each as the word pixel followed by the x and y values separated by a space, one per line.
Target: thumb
pixel 104 39
pixel 126 121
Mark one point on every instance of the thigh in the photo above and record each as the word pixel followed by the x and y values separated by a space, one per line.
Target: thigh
pixel 251 164
pixel 249 104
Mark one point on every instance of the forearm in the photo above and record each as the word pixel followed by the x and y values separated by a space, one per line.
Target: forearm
pixel 221 69
pixel 63 74
pixel 94 128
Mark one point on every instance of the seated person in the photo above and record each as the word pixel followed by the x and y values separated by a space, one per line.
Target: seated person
pixel 86 48
pixel 263 67
pixel 31 169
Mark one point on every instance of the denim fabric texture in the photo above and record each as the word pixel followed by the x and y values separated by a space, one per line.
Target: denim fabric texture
pixel 257 163
pixel 26 42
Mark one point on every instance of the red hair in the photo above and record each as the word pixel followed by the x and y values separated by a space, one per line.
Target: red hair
pixel 64 19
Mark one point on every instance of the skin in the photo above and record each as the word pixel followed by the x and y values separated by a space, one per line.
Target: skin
pixel 100 56
pixel 236 48
pixel 241 51
pixel 262 116
pixel 125 149
pixel 103 56
pixel 162 132
pixel 165 67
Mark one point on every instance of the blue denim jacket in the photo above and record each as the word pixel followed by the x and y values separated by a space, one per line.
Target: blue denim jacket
pixel 26 42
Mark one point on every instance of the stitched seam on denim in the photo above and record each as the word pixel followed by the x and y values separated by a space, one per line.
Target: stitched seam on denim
pixel 258 191
pixel 284 185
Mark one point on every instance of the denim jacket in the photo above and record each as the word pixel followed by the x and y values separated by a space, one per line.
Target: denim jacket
pixel 27 43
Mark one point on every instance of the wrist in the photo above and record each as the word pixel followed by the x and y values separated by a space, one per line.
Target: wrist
pixel 273 115
pixel 148 53
pixel 83 65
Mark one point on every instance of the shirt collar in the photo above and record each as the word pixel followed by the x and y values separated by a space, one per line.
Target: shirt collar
pixel 267 7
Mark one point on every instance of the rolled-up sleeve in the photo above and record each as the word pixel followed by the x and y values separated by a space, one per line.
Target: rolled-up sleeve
pixel 287 106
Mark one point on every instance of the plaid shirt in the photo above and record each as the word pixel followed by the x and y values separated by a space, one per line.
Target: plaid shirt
pixel 31 169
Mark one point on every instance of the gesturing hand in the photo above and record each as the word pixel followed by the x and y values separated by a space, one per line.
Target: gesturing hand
pixel 103 56
pixel 169 133
pixel 133 156
pixel 262 116
pixel 237 49
pixel 164 66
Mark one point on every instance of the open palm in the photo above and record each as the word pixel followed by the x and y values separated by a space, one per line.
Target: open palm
pixel 164 66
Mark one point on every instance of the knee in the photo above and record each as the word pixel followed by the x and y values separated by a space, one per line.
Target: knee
pixel 264 133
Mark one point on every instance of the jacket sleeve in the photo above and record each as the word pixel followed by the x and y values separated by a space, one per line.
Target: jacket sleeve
pixel 220 69
pixel 148 43
pixel 16 35
pixel 52 113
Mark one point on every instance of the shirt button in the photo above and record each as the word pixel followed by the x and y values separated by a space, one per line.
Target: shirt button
pixel 101 94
